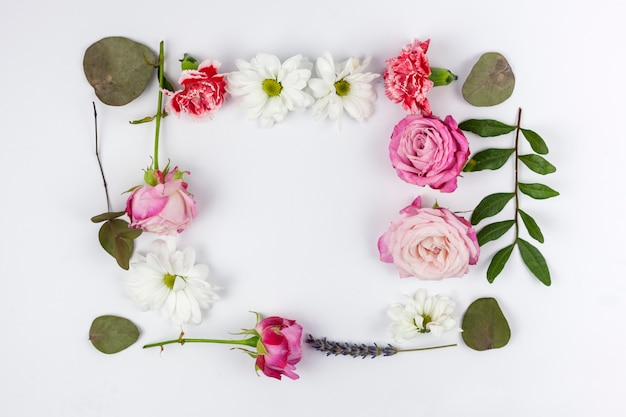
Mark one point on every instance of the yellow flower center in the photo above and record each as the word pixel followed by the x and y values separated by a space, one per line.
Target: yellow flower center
pixel 426 319
pixel 169 280
pixel 272 87
pixel 342 87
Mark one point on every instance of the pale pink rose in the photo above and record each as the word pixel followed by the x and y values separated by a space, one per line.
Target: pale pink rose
pixel 280 347
pixel 163 208
pixel 406 78
pixel 204 91
pixel 429 151
pixel 429 243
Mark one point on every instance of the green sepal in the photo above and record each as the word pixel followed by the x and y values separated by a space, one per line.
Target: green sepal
pixel 537 164
pixel 107 216
pixel 535 261
pixel 441 76
pixel 490 206
pixel 150 177
pixel 531 225
pixel 117 239
pixel 536 142
pixel 493 231
pixel 537 191
pixel 498 262
pixel 486 127
pixel 488 159
pixel 189 63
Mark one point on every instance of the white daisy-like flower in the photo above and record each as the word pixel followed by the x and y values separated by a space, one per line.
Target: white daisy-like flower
pixel 342 86
pixel 169 280
pixel 421 314
pixel 268 90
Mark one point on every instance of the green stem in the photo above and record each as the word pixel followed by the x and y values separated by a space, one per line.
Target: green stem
pixel 159 109
pixel 519 128
pixel 426 348
pixel 252 342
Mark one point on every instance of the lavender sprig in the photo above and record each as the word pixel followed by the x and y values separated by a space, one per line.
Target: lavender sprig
pixel 359 350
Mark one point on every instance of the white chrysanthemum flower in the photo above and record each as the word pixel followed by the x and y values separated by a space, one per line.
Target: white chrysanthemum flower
pixel 169 280
pixel 421 314
pixel 342 86
pixel 268 90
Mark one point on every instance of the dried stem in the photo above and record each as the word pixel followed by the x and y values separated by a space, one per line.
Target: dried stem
pixel 104 181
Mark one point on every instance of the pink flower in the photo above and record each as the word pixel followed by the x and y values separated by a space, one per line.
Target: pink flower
pixel 429 151
pixel 163 205
pixel 406 78
pixel 429 243
pixel 203 91
pixel 279 347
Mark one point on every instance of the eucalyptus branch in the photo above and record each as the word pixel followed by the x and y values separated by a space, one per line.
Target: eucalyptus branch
pixel 104 181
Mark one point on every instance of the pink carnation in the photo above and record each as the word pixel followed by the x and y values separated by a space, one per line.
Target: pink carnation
pixel 203 91
pixel 406 78
pixel 429 243
pixel 428 151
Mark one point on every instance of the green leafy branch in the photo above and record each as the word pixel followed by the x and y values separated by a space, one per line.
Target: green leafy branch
pixel 493 204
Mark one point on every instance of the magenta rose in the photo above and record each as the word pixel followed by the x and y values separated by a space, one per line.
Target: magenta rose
pixel 429 151
pixel 429 243
pixel 279 347
pixel 162 205
pixel 204 91
pixel 406 78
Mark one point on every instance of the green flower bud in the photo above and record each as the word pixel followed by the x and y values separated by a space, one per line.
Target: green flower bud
pixel 151 177
pixel 441 76
pixel 189 63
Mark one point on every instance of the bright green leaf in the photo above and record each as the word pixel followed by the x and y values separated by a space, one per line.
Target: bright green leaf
pixel 537 191
pixel 118 240
pixel 112 334
pixel 535 261
pixel 107 216
pixel 486 127
pixel 488 159
pixel 491 81
pixel 536 142
pixel 146 119
pixel 498 261
pixel 538 164
pixel 531 225
pixel 490 206
pixel 117 70
pixel 493 231
pixel 484 325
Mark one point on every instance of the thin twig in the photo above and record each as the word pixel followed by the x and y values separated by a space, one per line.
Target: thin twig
pixel 106 189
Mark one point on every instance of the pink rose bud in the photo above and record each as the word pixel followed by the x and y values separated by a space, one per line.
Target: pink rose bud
pixel 279 347
pixel 428 151
pixel 163 208
pixel 429 243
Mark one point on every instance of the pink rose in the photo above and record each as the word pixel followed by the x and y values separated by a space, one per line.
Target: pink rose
pixel 406 78
pixel 279 347
pixel 203 91
pixel 429 243
pixel 163 206
pixel 429 151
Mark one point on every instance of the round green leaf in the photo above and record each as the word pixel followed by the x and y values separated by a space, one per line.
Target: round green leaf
pixel 112 334
pixel 484 325
pixel 490 82
pixel 118 69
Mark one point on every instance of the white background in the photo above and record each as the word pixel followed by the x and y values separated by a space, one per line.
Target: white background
pixel 289 217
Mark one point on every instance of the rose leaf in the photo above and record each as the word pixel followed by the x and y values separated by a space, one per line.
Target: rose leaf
pixel 490 206
pixel 536 142
pixel 491 81
pixel 486 127
pixel 531 225
pixel 493 231
pixel 488 159
pixel 118 69
pixel 537 163
pixel 112 334
pixel 498 261
pixel 537 191
pixel 484 325
pixel 535 261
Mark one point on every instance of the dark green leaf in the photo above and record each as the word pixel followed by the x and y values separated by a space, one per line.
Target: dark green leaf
pixel 537 191
pixel 491 81
pixel 534 260
pixel 116 68
pixel 490 206
pixel 538 164
pixel 112 334
pixel 531 225
pixel 107 216
pixel 536 142
pixel 488 159
pixel 118 240
pixel 498 261
pixel 493 231
pixel 484 325
pixel 486 127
